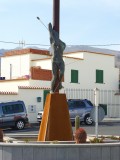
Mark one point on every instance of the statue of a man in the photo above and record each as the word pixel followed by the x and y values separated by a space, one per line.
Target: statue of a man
pixel 58 65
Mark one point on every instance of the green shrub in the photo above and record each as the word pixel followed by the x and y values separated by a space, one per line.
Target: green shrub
pixel 96 140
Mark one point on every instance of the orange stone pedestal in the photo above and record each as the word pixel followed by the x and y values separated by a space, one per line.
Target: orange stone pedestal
pixel 55 123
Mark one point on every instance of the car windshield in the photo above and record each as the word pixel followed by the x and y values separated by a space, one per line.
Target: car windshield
pixel 76 104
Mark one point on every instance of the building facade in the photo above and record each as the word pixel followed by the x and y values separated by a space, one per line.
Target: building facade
pixel 27 73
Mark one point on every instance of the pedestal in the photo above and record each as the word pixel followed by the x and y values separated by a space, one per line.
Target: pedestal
pixel 55 123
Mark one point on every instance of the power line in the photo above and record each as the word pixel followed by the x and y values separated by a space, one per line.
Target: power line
pixel 21 42
pixel 9 42
pixel 37 44
pixel 96 45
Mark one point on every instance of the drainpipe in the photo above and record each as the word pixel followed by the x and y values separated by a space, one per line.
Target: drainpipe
pixel 10 71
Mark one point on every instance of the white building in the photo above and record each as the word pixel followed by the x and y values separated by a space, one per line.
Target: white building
pixel 26 75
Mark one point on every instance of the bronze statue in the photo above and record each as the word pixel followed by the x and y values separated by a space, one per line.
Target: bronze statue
pixel 58 65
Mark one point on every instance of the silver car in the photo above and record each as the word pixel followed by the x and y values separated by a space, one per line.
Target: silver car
pixel 81 108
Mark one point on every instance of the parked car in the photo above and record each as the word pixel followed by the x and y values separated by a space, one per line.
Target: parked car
pixel 39 116
pixel 82 108
pixel 76 107
pixel 13 114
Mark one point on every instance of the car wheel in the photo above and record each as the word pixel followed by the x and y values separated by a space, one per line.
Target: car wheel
pixel 20 124
pixel 88 120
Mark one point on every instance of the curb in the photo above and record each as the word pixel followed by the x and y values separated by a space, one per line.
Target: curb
pixel 111 120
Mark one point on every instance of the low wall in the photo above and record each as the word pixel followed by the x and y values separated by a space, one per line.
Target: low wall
pixel 31 151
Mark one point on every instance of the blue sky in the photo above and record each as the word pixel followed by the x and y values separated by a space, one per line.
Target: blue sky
pixel 82 22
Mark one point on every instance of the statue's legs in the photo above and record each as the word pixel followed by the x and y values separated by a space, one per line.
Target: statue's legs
pixel 57 68
pixel 61 73
pixel 54 76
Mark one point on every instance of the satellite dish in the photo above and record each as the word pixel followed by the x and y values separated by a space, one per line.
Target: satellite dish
pixel 101 114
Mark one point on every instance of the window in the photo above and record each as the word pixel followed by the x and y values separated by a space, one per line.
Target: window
pixel 14 108
pixel 79 104
pixel 99 76
pixel 17 108
pixel 71 104
pixel 76 104
pixel 74 76
pixel 7 109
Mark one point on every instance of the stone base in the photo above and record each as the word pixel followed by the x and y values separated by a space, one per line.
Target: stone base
pixel 55 123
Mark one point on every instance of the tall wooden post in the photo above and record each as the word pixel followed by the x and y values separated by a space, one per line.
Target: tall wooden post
pixel 56 15
pixel 56 20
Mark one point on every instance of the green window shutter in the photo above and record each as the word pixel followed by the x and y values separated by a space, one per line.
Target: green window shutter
pixel 99 76
pixel 74 76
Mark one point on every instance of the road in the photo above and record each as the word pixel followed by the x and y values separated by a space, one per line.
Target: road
pixel 105 128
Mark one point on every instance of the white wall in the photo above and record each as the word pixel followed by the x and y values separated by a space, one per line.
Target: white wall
pixel 12 85
pixel 29 96
pixel 38 56
pixel 44 64
pixel 87 71
pixel 20 66
pixel 75 55
pixel 101 62
pixel 40 83
pixel 71 64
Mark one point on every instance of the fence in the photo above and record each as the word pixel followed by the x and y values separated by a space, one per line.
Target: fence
pixel 109 99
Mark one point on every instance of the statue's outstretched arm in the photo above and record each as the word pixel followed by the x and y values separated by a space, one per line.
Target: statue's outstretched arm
pixel 50 27
pixel 52 39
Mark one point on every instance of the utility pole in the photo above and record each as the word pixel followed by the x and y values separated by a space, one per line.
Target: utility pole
pixel 56 20
pixel 56 15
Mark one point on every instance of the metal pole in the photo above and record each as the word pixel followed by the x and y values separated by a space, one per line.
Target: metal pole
pixel 56 18
pixel 56 15
pixel 96 93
